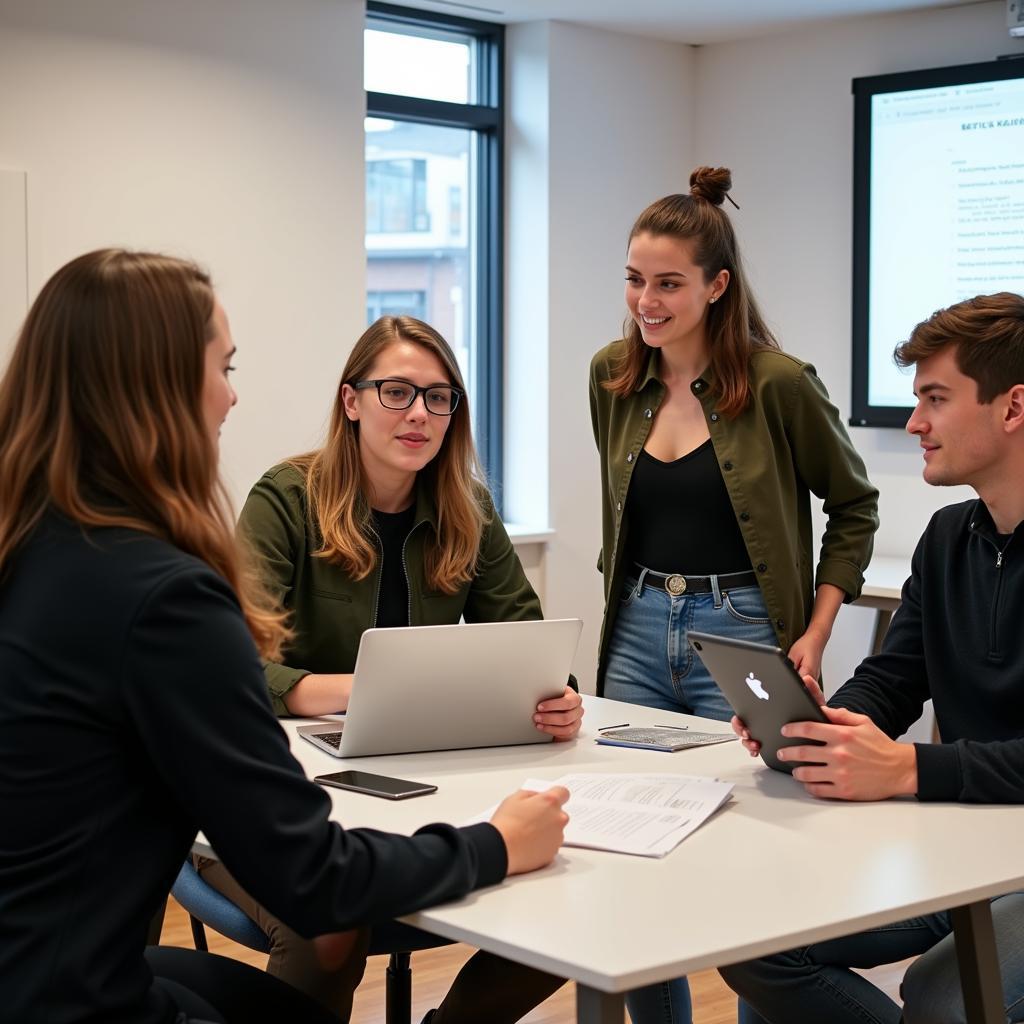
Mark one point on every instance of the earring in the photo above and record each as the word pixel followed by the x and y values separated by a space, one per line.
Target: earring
pixel 712 299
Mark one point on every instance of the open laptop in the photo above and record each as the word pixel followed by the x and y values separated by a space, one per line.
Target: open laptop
pixel 450 687
pixel 763 688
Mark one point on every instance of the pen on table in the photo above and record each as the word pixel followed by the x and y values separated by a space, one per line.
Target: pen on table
pixel 678 728
pixel 605 728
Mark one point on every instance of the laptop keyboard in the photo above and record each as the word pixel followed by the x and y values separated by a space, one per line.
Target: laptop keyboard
pixel 331 738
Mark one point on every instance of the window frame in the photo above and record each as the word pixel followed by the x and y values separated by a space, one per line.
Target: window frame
pixel 486 118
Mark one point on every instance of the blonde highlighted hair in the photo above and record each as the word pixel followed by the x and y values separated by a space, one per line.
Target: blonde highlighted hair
pixel 336 486
pixel 101 416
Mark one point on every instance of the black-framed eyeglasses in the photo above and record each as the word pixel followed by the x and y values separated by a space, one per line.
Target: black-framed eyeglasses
pixel 439 399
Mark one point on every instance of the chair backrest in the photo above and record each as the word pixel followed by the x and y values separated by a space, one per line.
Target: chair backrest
pixel 212 908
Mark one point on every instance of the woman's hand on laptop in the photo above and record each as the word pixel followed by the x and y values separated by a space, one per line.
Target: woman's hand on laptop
pixel 752 746
pixel 532 825
pixel 561 716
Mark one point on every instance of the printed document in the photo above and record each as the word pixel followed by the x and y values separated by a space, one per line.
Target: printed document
pixel 643 814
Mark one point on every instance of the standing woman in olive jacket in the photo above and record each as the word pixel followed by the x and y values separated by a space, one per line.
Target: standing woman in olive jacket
pixel 711 440
pixel 389 524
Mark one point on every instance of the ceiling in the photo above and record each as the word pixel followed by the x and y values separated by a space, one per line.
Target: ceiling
pixel 685 21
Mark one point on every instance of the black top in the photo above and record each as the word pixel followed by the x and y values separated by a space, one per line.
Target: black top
pixel 956 638
pixel 393 598
pixel 680 516
pixel 134 712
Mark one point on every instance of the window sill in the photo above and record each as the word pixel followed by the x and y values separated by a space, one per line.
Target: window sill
pixel 520 534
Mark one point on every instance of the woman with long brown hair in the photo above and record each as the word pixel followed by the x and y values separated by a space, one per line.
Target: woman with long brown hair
pixel 711 441
pixel 133 708
pixel 388 524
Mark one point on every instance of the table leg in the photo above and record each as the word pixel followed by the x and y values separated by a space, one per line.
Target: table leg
pixel 881 628
pixel 978 961
pixel 594 1007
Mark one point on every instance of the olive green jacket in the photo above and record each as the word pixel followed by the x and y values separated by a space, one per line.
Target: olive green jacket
pixel 788 442
pixel 329 610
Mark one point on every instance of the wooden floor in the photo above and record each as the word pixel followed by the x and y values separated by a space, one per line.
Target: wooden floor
pixel 433 970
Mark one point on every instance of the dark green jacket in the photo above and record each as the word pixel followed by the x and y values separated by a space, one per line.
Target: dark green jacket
pixel 788 442
pixel 329 610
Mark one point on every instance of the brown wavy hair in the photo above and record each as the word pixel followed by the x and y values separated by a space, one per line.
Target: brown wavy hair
pixel 988 332
pixel 101 416
pixel 735 327
pixel 336 486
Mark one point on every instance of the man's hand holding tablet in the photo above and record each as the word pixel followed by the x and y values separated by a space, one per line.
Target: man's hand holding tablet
pixel 855 759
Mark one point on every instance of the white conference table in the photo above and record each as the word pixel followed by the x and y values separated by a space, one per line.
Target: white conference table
pixel 773 869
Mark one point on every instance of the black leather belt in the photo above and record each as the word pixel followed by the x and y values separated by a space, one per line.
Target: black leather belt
pixel 674 584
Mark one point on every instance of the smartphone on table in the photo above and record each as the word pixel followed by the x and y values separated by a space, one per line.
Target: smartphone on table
pixel 376 785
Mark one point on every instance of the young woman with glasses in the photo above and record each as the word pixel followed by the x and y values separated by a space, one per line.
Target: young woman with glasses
pixel 133 706
pixel 711 440
pixel 388 524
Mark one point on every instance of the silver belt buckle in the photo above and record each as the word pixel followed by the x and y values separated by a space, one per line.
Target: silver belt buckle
pixel 675 584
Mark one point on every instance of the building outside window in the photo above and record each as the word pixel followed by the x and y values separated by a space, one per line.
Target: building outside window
pixel 396 196
pixel 396 303
pixel 433 192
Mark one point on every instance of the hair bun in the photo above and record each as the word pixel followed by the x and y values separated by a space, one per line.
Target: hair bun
pixel 711 184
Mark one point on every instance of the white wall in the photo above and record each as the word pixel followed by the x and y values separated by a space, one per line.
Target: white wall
pixel 226 130
pixel 13 256
pixel 527 276
pixel 603 126
pixel 778 111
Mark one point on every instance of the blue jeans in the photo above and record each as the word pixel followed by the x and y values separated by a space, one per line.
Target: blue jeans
pixel 650 663
pixel 815 983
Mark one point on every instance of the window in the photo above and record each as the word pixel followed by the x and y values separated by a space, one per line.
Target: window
pixel 396 303
pixel 396 196
pixel 433 192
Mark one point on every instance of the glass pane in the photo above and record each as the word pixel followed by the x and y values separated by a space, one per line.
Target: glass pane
pixel 429 65
pixel 419 215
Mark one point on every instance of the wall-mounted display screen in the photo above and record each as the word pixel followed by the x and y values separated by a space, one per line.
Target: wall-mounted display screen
pixel 938 211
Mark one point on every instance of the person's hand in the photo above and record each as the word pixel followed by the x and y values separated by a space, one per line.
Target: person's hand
pixel 807 651
pixel 560 716
pixel 857 762
pixel 532 825
pixel 811 683
pixel 739 727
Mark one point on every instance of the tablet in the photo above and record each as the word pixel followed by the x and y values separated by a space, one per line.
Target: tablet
pixel 764 690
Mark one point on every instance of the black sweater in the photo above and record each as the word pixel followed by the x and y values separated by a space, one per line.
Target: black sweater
pixel 958 637
pixel 134 712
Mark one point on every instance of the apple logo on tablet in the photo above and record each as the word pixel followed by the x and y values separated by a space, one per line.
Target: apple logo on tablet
pixel 756 687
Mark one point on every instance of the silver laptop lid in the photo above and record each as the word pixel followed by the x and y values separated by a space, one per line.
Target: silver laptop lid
pixel 452 687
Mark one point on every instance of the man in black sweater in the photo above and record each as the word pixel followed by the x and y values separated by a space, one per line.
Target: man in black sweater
pixel 958 638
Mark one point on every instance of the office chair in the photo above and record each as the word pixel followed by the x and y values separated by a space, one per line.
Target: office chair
pixel 206 906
